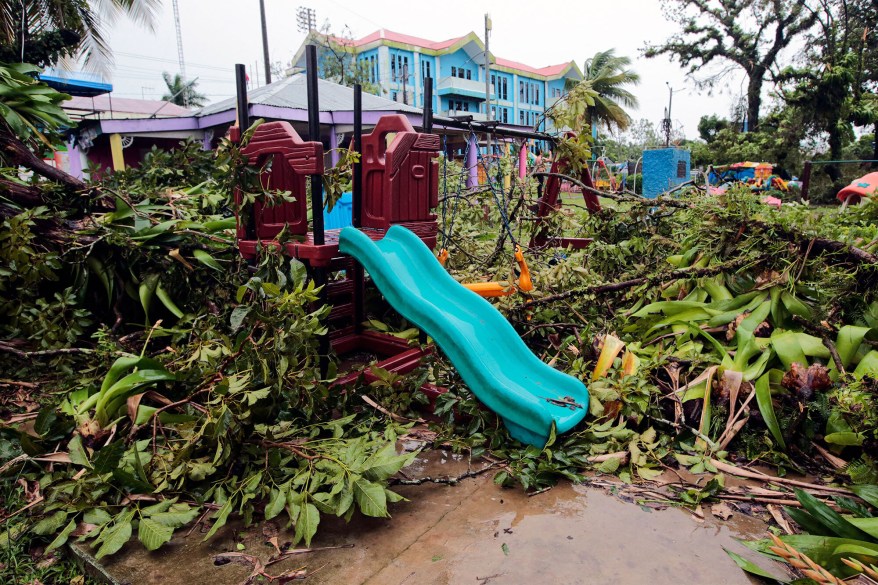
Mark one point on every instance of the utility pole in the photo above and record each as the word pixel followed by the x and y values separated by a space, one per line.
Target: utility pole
pixel 265 43
pixel 488 77
pixel 405 80
pixel 305 19
pixel 667 121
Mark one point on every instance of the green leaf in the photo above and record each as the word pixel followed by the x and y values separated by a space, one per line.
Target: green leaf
pixel 868 365
pixel 867 525
pixel 848 342
pixel 276 503
pixel 821 549
pixel 766 408
pixel 62 537
pixel 751 567
pixel 380 466
pixel 238 315
pixel 116 536
pixel 50 524
pixel 370 498
pixel 153 534
pixel 107 458
pixel 167 301
pixel 869 493
pixel 306 523
pixel 96 516
pixel 78 455
pixel 207 260
pixel 845 439
pixel 175 520
pixel 221 517
pixel 829 517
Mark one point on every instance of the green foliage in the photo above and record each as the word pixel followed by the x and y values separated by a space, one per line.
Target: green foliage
pixel 28 107
pixel 208 398
pixel 182 92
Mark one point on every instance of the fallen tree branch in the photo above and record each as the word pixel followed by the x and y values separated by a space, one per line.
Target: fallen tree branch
pixel 655 278
pixel 9 348
pixel 17 153
pixel 806 243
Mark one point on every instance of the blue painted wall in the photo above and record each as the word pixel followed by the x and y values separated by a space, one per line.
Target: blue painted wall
pixel 373 68
pixel 661 170
pixel 459 59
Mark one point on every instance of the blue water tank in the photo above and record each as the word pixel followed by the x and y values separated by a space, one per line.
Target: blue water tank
pixel 664 169
pixel 341 215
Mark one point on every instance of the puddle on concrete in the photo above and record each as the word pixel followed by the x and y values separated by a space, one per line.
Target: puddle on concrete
pixel 478 533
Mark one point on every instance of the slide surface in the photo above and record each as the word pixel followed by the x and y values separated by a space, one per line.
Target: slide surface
pixel 498 367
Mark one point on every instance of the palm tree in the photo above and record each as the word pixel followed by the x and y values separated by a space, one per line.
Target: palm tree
pixel 182 92
pixel 74 28
pixel 607 74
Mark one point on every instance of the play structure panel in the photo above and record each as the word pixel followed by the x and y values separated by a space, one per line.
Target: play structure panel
pixel 401 179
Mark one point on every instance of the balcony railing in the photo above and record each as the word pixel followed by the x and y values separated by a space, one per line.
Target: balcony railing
pixel 463 87
pixel 477 116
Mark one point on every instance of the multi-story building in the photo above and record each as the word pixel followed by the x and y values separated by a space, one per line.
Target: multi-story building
pixel 397 64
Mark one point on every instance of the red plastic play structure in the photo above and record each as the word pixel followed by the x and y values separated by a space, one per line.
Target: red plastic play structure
pixel 400 186
pixel 550 202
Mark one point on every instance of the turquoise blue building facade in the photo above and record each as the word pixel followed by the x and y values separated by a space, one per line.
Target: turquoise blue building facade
pixel 664 169
pixel 398 64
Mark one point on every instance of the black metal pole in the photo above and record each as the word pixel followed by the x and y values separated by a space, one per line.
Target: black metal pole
pixel 314 134
pixel 428 105
pixel 317 234
pixel 358 147
pixel 243 105
pixel 265 43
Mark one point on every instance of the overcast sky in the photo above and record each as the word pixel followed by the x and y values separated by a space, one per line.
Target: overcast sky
pixel 219 33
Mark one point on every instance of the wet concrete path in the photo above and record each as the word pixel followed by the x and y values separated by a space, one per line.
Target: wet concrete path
pixel 473 533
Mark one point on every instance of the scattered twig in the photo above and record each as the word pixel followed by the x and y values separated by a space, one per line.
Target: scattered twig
pixel 734 470
pixel 9 348
pixel 396 417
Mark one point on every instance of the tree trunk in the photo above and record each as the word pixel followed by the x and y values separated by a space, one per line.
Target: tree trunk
pixel 754 98
pixel 16 153
pixel 834 152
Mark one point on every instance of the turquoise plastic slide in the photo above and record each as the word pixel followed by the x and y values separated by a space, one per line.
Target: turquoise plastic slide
pixel 498 367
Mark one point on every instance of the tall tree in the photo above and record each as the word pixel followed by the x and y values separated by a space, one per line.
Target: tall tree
pixel 182 92
pixel 747 34
pixel 43 31
pixel 832 84
pixel 608 75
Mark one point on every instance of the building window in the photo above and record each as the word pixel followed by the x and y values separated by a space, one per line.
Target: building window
pixel 521 118
pixel 469 74
pixel 505 115
pixel 503 88
pixel 454 72
pixel 537 88
pixel 394 96
pixel 681 169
